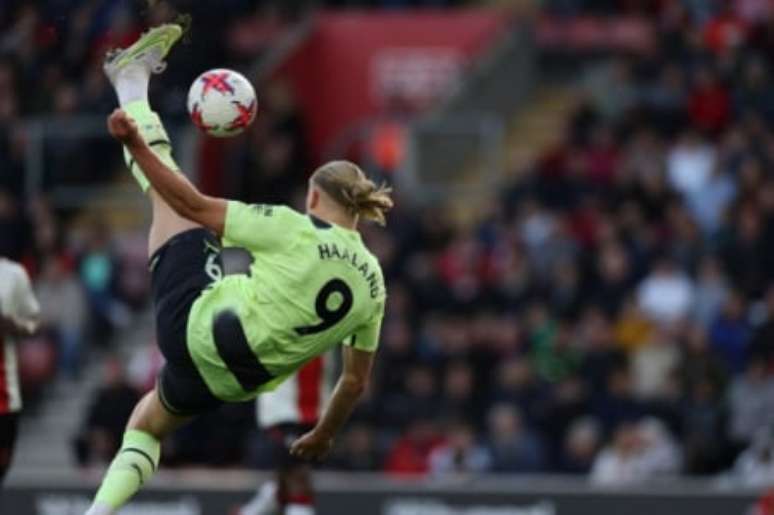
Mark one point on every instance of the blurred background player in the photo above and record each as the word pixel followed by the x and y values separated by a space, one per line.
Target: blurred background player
pixel 284 414
pixel 19 313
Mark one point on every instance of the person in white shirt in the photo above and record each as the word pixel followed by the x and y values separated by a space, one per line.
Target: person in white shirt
pixel 666 294
pixel 284 414
pixel 19 314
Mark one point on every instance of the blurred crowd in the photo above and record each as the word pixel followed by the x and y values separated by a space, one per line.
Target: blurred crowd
pixel 613 315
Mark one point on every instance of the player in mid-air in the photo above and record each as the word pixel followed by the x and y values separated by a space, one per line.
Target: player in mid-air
pixel 312 285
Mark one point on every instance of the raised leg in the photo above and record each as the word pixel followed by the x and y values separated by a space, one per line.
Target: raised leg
pixel 129 71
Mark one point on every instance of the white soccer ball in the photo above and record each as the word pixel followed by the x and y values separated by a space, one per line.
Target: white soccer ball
pixel 222 103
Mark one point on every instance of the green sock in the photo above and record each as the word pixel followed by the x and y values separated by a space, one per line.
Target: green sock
pixel 134 465
pixel 152 131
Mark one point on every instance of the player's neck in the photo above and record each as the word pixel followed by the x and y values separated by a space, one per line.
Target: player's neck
pixel 335 218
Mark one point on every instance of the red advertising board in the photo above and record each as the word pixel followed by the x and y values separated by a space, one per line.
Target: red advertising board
pixel 356 65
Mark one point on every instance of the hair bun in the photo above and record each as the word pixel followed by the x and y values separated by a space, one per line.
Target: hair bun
pixel 346 183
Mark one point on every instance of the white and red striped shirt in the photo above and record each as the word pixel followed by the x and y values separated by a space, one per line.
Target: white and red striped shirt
pixel 18 303
pixel 300 399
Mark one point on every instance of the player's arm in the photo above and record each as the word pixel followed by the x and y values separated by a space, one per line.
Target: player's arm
pixel 174 188
pixel 20 313
pixel 11 327
pixel 349 388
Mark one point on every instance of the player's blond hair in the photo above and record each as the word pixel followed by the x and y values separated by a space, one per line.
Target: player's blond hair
pixel 346 184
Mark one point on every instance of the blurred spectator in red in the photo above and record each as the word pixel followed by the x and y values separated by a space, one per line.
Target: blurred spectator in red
pixel 602 156
pixel 725 31
pixel 410 453
pixel 709 103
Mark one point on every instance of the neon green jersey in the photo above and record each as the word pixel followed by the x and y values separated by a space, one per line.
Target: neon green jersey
pixel 311 286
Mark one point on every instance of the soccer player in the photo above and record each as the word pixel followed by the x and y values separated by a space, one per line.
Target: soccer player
pixel 312 285
pixel 290 410
pixel 19 316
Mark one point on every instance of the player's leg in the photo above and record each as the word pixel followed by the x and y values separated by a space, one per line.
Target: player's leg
pixel 291 492
pixel 295 489
pixel 264 502
pixel 9 427
pixel 138 458
pixel 129 71
pixel 181 270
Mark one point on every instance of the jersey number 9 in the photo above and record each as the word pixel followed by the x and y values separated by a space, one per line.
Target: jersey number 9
pixel 329 317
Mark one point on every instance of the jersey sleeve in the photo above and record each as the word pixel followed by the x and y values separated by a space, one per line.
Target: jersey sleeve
pixel 260 226
pixel 366 338
pixel 22 306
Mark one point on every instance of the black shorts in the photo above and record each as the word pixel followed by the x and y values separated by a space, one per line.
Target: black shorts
pixel 181 270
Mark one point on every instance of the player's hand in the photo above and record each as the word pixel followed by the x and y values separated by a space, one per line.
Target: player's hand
pixel 312 446
pixel 123 128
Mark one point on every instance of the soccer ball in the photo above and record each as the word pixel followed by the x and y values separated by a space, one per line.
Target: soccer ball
pixel 222 103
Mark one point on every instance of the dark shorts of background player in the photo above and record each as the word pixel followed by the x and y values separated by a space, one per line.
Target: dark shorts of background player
pixel 181 270
pixel 9 429
pixel 282 436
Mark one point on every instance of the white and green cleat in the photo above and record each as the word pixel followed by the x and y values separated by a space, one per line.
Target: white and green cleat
pixel 149 51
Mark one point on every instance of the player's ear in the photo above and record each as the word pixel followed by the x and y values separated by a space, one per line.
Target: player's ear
pixel 314 198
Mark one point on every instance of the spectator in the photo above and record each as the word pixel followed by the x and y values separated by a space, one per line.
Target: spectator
pixel 516 384
pixel 358 451
pixel 580 446
pixel 660 455
pixel 754 96
pixel 730 333
pixel 690 164
pixel 460 454
pixel 709 201
pixel 652 366
pixel 711 290
pixel 751 402
pixel 665 295
pixel 617 464
pixel 640 451
pixel 63 311
pixel 410 453
pixel 105 422
pixel 513 447
pixel 458 393
pixel 762 340
pixel 755 466
pixel 98 274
